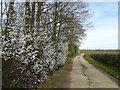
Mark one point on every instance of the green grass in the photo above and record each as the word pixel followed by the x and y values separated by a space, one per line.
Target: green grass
pixel 58 78
pixel 55 80
pixel 112 71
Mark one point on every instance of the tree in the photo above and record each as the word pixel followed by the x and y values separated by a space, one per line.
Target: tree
pixel 43 34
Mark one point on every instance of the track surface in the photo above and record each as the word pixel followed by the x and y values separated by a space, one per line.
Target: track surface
pixel 85 75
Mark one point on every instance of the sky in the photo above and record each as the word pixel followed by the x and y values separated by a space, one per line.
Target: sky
pixel 105 22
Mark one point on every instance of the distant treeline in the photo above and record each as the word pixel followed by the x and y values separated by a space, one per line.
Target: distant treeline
pixel 101 50
pixel 108 57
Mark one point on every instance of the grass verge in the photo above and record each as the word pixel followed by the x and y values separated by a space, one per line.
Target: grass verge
pixel 112 71
pixel 59 77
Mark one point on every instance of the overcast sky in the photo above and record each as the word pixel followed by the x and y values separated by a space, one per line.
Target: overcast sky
pixel 105 21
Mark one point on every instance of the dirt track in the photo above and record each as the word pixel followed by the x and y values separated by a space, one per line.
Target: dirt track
pixel 85 75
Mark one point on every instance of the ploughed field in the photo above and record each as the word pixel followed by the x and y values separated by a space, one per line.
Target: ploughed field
pixel 108 60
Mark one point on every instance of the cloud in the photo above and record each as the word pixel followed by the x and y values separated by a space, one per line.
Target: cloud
pixel 105 20
pixel 101 39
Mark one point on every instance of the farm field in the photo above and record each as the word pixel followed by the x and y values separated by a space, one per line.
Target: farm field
pixel 106 60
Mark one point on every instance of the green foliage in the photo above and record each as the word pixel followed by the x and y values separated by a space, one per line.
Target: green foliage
pixel 108 58
pixel 108 69
pixel 7 73
pixel 13 84
pixel 73 49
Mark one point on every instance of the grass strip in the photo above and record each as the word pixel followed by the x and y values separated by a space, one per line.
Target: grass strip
pixel 59 76
pixel 107 69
